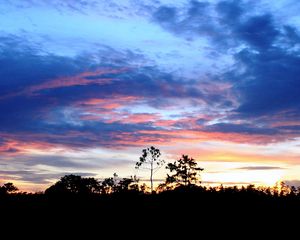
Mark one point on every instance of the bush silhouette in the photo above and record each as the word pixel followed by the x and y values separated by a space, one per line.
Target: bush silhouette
pixel 74 184
pixel 8 188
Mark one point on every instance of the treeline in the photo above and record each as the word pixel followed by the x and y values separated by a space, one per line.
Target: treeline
pixel 75 185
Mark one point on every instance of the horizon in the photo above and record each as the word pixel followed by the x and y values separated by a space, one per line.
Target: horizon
pixel 86 85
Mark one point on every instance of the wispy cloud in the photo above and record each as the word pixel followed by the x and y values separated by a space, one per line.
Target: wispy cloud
pixel 257 168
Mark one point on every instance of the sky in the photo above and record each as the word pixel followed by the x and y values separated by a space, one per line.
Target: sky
pixel 87 84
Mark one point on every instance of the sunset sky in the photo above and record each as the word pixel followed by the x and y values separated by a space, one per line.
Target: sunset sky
pixel 87 84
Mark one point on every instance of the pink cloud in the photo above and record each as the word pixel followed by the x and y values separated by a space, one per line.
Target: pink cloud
pixel 14 145
pixel 110 110
pixel 80 79
pixel 115 99
pixel 140 118
pixel 69 81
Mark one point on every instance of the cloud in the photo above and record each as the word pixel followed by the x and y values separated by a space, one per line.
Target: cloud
pixel 82 79
pixel 255 168
pixel 292 128
pixel 193 20
pixel 84 102
pixel 258 31
pixel 240 128
pixel 27 176
pixel 49 166
pixel 291 36
pixel 22 64
pixel 295 182
pixel 274 83
pixel 54 161
pixel 230 12
pixel 105 99
pixel 60 162
pixel 227 25
pixel 264 76
pixel 35 176
pixel 74 5
pixel 235 183
pixel 266 73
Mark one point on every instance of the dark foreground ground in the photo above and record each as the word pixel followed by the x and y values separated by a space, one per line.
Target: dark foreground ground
pixel 174 212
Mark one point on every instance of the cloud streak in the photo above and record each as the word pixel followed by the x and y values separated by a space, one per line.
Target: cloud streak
pixel 258 168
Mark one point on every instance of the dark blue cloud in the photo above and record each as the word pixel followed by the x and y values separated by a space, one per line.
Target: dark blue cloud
pixel 189 22
pixel 165 15
pixel 23 64
pixel 258 31
pixel 201 121
pixel 230 11
pixel 291 36
pixel 270 82
pixel 291 128
pixel 227 23
pixel 240 128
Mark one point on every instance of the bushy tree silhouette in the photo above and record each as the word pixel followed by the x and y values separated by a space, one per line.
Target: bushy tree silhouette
pixel 128 185
pixel 8 188
pixel 119 185
pixel 73 184
pixel 186 172
pixel 108 185
pixel 151 160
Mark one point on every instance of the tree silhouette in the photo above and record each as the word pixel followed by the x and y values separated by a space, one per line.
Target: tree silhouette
pixel 119 185
pixel 75 185
pixel 150 159
pixel 90 185
pixel 8 188
pixel 128 184
pixel 186 171
pixel 109 185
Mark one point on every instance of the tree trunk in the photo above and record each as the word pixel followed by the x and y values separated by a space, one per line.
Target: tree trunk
pixel 151 176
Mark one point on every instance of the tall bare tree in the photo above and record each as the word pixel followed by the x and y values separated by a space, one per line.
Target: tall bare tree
pixel 151 160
